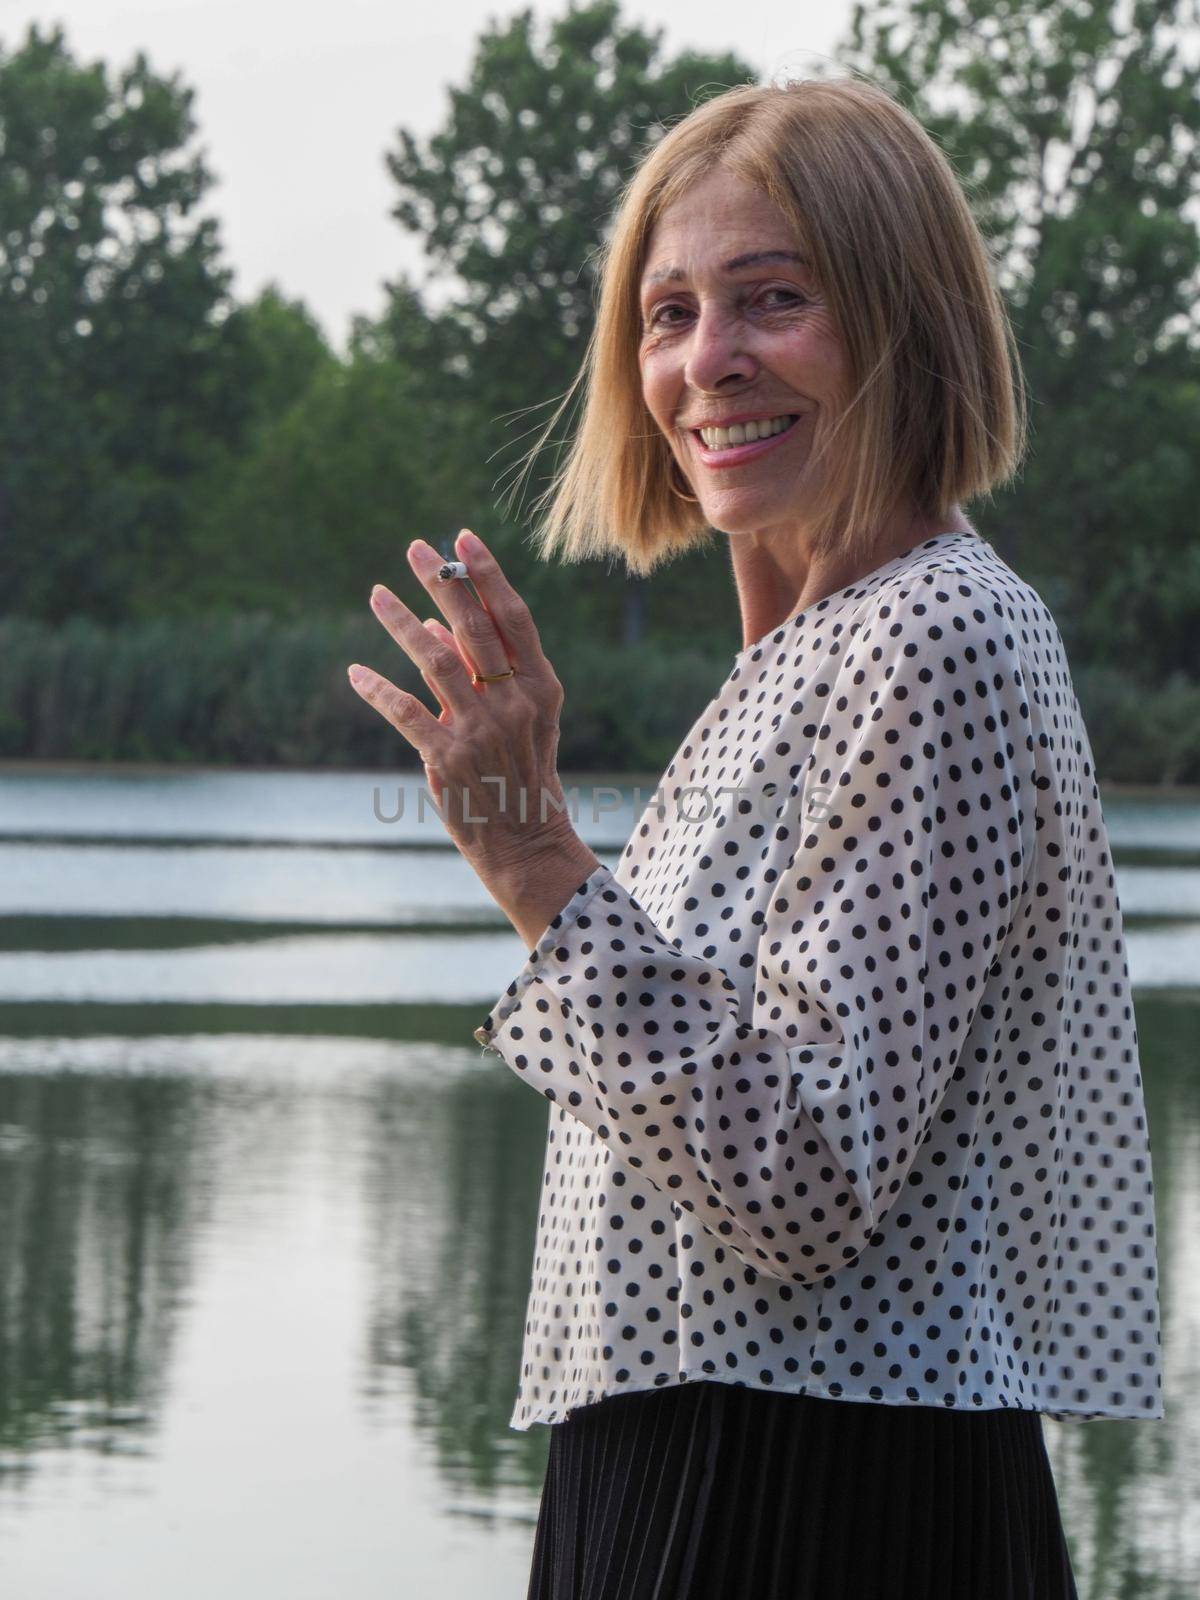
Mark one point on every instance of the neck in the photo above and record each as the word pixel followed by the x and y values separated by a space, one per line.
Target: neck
pixel 778 576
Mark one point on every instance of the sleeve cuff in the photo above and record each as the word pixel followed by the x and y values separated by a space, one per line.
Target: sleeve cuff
pixel 596 880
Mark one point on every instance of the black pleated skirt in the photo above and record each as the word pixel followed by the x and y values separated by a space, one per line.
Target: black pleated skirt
pixel 715 1491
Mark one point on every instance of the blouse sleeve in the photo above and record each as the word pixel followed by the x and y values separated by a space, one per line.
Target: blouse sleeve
pixel 788 1128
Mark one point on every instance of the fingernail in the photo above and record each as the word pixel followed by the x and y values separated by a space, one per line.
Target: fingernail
pixel 473 546
pixel 358 674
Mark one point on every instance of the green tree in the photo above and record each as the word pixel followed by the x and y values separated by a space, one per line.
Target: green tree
pixel 289 347
pixel 232 552
pixel 511 198
pixel 123 376
pixel 1074 124
pixel 327 496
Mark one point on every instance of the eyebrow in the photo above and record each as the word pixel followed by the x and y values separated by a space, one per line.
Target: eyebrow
pixel 753 258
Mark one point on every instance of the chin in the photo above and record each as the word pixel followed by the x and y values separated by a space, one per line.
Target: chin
pixel 743 511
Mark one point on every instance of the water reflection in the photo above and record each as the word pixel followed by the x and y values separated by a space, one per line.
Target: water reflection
pixel 129 1170
pixel 267 1217
pixel 452 1189
pixel 278 1279
pixel 1128 1490
pixel 100 1202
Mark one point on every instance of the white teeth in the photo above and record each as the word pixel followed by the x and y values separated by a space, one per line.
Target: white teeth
pixel 744 432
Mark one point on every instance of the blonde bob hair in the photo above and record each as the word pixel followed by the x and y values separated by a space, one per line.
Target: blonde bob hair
pixel 936 410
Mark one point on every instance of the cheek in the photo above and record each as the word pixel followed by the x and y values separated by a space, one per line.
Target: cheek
pixel 659 388
pixel 812 354
pixel 812 346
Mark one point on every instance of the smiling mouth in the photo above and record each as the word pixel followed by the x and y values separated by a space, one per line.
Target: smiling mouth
pixel 743 433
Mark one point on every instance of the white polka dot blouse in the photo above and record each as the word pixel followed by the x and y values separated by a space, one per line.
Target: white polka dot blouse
pixel 843 1073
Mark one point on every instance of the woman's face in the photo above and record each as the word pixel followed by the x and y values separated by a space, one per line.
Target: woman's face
pixel 735 331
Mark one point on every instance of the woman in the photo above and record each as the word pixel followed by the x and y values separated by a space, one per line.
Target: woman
pixel 848 1179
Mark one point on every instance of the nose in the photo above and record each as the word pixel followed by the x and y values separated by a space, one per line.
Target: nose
pixel 716 355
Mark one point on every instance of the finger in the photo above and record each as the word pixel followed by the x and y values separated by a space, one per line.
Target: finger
pixel 508 611
pixel 404 711
pixel 476 633
pixel 442 632
pixel 439 630
pixel 438 665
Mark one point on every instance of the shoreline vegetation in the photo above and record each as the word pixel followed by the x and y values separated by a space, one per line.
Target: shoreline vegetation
pixel 250 691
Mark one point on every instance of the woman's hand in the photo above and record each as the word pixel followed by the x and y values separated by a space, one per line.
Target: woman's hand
pixel 491 755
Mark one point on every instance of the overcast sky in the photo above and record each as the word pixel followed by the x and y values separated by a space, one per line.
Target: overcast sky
pixel 297 103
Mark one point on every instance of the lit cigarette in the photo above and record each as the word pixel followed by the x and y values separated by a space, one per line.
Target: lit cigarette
pixel 450 570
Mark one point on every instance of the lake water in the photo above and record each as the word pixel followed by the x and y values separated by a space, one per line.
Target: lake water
pixel 267 1212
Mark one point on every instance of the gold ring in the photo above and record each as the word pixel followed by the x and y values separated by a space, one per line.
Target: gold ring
pixel 491 677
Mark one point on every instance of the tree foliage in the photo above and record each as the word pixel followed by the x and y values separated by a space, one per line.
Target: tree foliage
pixel 511 199
pixel 327 496
pixel 1074 126
pixel 121 375
pixel 512 196
pixel 164 450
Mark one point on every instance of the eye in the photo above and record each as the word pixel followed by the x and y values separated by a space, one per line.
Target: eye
pixel 790 297
pixel 658 315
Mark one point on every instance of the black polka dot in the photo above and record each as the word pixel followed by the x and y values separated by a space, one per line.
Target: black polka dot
pixel 842 1066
